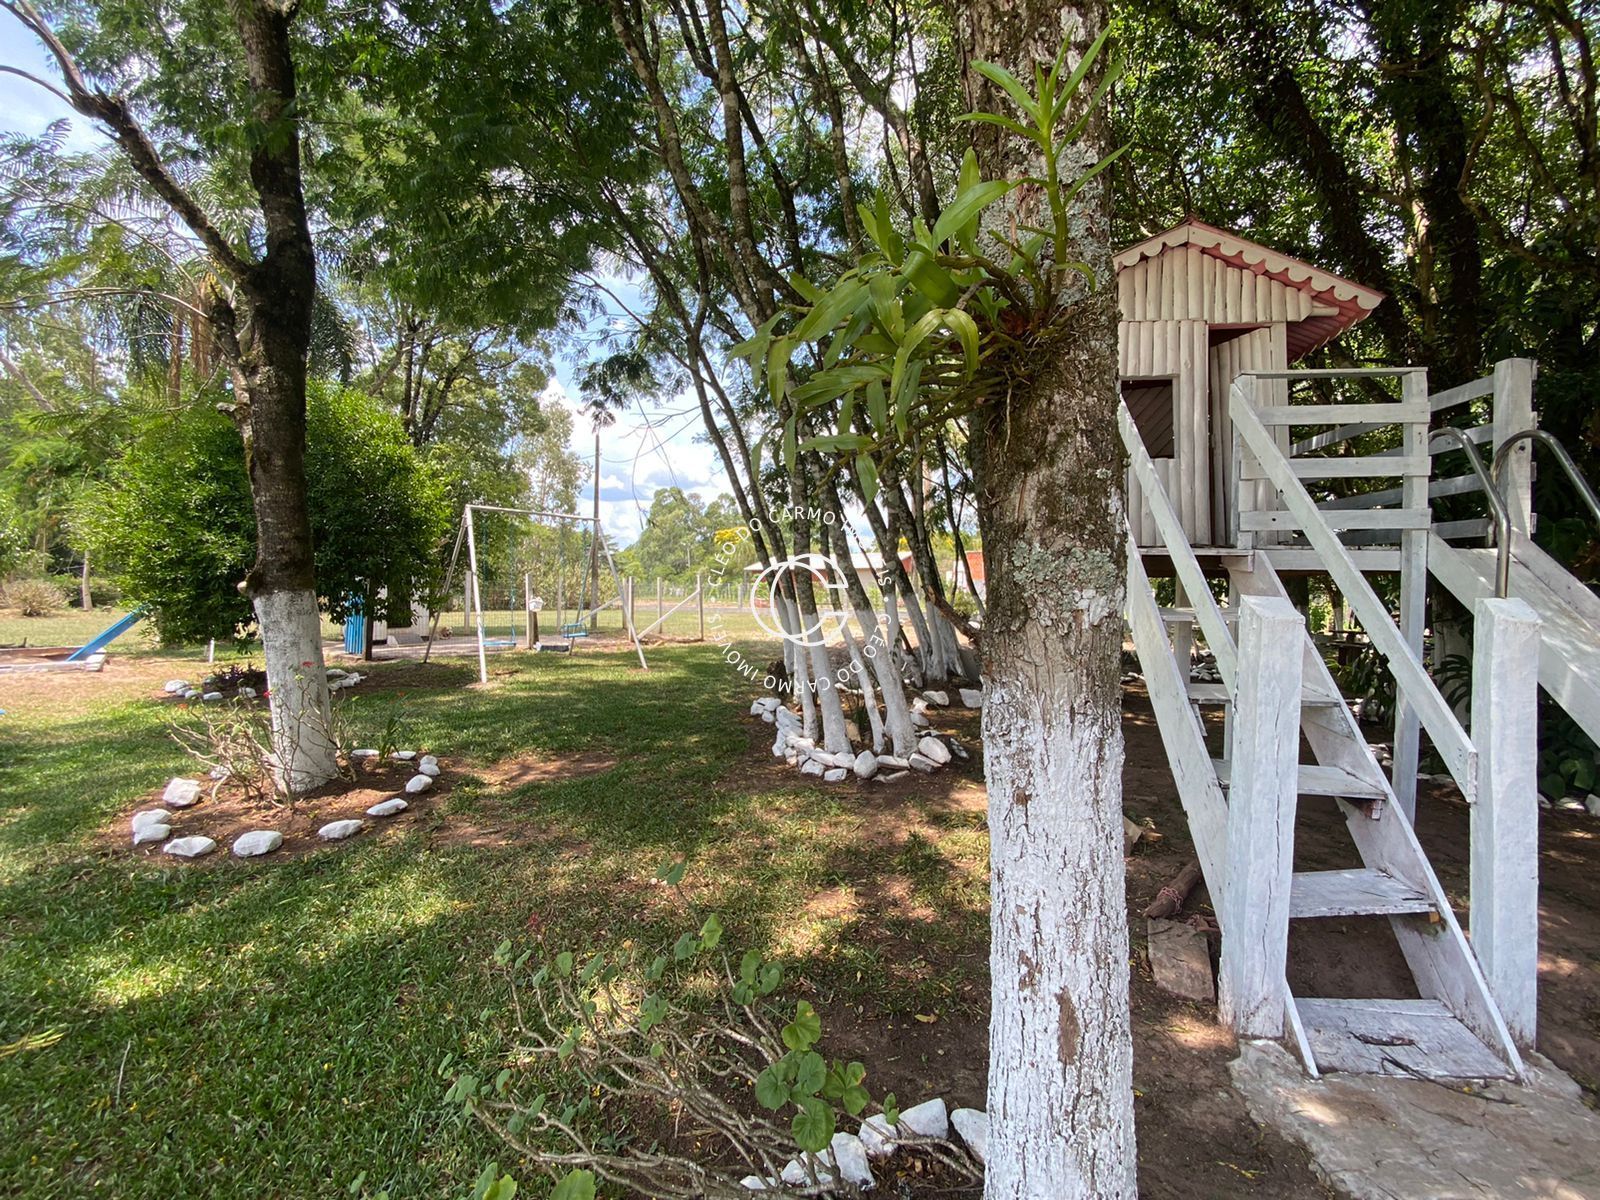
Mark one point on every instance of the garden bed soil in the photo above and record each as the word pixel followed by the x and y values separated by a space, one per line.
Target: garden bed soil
pixel 233 810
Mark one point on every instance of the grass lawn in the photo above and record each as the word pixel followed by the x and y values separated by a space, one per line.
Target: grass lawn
pixel 273 1028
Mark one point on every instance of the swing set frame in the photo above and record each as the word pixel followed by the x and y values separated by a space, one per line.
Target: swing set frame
pixel 465 534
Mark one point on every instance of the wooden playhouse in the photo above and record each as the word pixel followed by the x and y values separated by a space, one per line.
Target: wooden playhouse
pixel 1200 305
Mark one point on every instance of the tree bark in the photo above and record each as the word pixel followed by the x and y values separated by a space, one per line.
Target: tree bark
pixel 1051 506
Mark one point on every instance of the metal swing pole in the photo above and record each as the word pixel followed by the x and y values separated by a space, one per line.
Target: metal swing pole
pixel 449 574
pixel 477 596
pixel 627 616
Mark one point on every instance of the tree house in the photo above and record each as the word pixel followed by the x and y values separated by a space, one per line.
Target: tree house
pixel 1199 306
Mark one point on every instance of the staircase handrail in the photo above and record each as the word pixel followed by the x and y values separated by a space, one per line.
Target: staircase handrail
pixel 1497 503
pixel 1449 738
pixel 1184 563
pixel 1563 459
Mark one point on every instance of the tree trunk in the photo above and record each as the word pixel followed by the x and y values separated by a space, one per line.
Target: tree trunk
pixel 85 594
pixel 280 291
pixel 1051 506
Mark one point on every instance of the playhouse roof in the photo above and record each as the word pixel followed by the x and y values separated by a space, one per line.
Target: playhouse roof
pixel 1336 303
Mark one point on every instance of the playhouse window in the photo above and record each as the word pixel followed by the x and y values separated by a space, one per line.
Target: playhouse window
pixel 1150 401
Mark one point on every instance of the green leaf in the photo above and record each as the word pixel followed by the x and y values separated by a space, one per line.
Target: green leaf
pixel 749 965
pixel 672 874
pixel 969 176
pixel 834 306
pixel 790 444
pixel 771 1091
pixel 850 442
pixel 1070 88
pixel 577 1185
pixel 778 368
pixel 1013 88
pixel 965 328
pixel 802 1033
pixel 877 408
pixel 813 1126
pixel 915 336
pixel 1006 123
pixel 964 210
pixel 658 968
pixel 685 947
pixel 564 963
pixel 710 933
pixel 868 475
pixel 810 1072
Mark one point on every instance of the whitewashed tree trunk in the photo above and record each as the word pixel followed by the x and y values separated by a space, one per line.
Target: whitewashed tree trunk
pixel 302 727
pixel 1050 481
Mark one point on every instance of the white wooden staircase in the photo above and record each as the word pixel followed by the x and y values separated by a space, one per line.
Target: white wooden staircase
pixel 1291 739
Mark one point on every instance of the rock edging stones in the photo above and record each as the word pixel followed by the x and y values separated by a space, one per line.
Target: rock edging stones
pixel 849 1156
pixel 934 750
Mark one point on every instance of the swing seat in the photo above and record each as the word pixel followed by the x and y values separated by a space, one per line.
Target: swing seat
pixel 552 648
pixel 575 630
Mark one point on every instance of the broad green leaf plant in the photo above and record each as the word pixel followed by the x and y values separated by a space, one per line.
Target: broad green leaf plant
pixel 675 1073
pixel 933 322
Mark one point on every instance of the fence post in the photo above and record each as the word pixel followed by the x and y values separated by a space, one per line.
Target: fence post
pixel 1513 413
pixel 700 599
pixel 1262 797
pixel 1504 869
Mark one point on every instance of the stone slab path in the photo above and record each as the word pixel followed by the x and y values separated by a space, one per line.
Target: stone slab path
pixel 1374 1138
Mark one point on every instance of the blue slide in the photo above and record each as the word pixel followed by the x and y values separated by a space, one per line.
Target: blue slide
pixel 106 636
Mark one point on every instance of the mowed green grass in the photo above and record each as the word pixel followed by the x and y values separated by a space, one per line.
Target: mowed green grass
pixel 274 1028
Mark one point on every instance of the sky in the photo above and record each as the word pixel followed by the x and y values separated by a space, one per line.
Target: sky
pixel 661 444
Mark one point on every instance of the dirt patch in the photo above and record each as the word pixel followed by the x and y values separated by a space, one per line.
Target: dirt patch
pixel 528 768
pixel 232 810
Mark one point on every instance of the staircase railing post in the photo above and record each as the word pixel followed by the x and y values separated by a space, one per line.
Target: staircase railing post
pixel 1513 413
pixel 1504 868
pixel 1262 798
pixel 1413 598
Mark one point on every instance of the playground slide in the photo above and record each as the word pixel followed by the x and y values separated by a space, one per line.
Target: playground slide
pixel 107 635
pixel 1569 616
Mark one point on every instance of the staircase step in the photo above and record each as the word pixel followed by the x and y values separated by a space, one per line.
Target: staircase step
pixel 1358 892
pixel 1395 1037
pixel 1217 693
pixel 1319 781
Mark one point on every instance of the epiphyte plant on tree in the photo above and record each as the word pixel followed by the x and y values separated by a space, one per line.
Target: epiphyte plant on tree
pixel 927 327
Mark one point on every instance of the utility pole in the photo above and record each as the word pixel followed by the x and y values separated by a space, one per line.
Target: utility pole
pixel 594 542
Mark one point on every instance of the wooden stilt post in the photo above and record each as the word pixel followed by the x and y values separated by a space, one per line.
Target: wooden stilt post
pixel 1182 634
pixel 1513 413
pixel 1261 809
pixel 661 601
pixel 1504 870
pixel 1413 597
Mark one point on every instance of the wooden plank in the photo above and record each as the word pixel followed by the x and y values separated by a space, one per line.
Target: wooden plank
pixel 1372 416
pixel 1318 781
pixel 1477 435
pixel 1513 413
pixel 1262 799
pixel 1396 1037
pixel 1336 372
pixel 1300 558
pixel 1504 843
pixel 1184 563
pixel 1470 527
pixel 1413 603
pixel 1215 693
pixel 1359 467
pixel 1461 394
pixel 1347 518
pixel 1361 891
pixel 1181 732
pixel 1437 953
pixel 1449 738
pixel 1449 485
